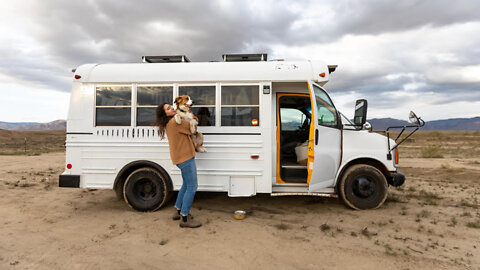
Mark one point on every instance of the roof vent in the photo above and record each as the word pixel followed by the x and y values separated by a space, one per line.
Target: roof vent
pixel 165 59
pixel 244 57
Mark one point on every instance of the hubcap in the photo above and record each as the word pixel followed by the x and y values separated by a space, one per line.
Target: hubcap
pixel 363 187
pixel 145 189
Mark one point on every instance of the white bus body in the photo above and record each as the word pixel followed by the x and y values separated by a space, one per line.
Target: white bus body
pixel 110 138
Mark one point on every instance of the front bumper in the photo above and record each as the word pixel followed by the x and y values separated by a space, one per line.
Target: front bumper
pixel 396 179
pixel 68 180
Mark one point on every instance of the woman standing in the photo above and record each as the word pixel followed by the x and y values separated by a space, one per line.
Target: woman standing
pixel 182 153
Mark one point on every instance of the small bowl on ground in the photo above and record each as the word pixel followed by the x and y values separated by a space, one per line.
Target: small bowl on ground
pixel 239 214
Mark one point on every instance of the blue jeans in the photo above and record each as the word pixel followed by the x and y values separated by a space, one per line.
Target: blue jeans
pixel 189 186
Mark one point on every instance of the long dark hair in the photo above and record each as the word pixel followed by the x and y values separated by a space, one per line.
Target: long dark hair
pixel 161 119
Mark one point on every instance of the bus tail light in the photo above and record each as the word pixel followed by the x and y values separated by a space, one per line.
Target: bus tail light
pixel 69 166
pixel 78 77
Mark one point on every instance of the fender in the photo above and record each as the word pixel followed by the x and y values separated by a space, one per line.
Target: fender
pixel 362 160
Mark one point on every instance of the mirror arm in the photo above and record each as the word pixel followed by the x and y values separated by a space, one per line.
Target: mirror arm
pixel 421 124
pixel 406 137
pixel 357 127
pixel 400 134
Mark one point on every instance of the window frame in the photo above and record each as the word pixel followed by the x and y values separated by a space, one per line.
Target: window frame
pixel 221 85
pixel 337 115
pixel 135 110
pixel 95 86
pixel 215 87
pixel 175 92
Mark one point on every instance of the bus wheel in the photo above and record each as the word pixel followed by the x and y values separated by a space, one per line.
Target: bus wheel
pixel 146 190
pixel 363 187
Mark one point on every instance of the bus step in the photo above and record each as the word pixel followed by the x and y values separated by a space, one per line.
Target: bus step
pixel 317 194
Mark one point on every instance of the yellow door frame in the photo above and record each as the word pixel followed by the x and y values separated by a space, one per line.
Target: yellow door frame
pixel 279 179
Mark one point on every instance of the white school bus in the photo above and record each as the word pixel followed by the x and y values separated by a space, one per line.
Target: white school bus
pixel 259 119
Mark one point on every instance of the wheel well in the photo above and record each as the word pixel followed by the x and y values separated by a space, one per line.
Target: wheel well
pixel 132 166
pixel 368 161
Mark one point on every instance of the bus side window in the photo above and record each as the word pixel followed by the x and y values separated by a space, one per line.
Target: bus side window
pixel 204 102
pixel 148 98
pixel 240 105
pixel 113 105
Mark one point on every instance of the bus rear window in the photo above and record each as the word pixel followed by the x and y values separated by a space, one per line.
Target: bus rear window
pixel 113 116
pixel 113 105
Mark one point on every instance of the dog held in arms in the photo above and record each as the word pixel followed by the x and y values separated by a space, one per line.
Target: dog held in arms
pixel 184 103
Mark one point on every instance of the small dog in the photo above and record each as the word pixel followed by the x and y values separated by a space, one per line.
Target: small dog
pixel 184 103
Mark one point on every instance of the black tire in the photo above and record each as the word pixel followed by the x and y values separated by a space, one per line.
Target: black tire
pixel 146 189
pixel 363 187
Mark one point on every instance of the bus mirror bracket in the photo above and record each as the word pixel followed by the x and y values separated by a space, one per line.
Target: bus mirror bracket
pixel 417 123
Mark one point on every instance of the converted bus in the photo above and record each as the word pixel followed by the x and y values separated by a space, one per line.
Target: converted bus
pixel 254 115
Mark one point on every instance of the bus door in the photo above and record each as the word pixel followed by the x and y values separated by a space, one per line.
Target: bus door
pixel 324 146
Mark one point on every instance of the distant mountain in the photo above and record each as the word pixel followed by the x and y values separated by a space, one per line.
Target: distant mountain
pixel 454 124
pixel 447 124
pixel 377 124
pixel 54 125
pixel 7 125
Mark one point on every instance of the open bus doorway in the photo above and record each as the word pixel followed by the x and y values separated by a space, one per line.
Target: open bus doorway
pixel 293 126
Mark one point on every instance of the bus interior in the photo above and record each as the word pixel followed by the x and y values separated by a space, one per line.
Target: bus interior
pixel 294 113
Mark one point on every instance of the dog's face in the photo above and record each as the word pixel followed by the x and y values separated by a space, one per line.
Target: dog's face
pixel 184 103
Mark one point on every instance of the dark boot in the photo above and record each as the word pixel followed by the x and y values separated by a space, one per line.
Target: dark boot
pixel 176 215
pixel 188 222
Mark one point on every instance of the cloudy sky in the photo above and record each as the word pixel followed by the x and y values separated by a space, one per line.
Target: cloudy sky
pixel 400 55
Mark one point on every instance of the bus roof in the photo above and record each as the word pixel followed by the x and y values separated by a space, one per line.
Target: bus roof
pixel 275 71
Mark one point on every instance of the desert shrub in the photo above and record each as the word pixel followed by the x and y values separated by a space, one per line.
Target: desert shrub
pixel 429 195
pixel 431 152
pixel 423 214
pixel 395 198
pixel 453 222
pixel 465 203
pixel 389 250
pixel 450 169
pixel 475 225
pixel 325 227
pixel 434 134
pixel 282 226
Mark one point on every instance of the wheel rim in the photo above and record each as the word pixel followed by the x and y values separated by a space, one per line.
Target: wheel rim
pixel 363 187
pixel 145 189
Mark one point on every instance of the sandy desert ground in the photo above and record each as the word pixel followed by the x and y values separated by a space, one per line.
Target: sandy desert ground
pixel 432 222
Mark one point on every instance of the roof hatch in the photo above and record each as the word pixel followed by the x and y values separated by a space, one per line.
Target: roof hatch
pixel 244 57
pixel 165 59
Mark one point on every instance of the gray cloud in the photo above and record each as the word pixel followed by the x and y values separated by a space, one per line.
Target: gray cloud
pixel 374 17
pixel 71 33
pixel 123 31
pixel 93 31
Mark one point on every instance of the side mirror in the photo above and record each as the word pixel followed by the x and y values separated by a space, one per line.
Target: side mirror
pixel 360 112
pixel 413 118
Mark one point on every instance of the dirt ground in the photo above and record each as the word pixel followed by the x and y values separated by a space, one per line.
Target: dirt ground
pixel 432 222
